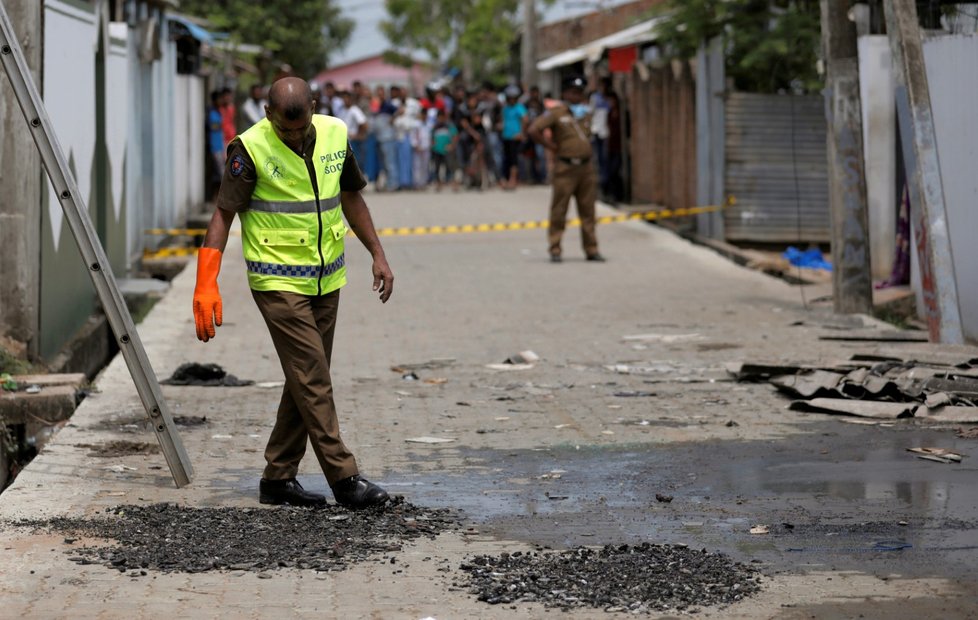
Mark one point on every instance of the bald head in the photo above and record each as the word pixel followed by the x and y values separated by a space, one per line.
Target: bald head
pixel 290 97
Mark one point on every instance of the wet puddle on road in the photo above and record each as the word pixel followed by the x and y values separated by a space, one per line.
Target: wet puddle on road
pixel 847 499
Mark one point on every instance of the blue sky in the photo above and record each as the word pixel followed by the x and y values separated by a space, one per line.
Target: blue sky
pixel 367 39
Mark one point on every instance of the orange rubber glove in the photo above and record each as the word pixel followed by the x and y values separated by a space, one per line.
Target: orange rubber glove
pixel 208 308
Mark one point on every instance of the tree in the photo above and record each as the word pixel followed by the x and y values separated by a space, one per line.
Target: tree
pixel 302 33
pixel 477 34
pixel 771 45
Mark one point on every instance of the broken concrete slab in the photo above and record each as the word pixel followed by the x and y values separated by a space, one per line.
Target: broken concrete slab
pixel 875 335
pixel 958 415
pixel 763 370
pixel 76 379
pixel 812 384
pixel 52 404
pixel 860 408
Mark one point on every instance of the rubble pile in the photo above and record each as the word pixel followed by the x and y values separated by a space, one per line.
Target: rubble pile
pixel 172 538
pixel 940 387
pixel 639 579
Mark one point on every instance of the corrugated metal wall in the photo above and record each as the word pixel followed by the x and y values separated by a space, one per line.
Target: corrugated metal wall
pixel 776 168
pixel 663 138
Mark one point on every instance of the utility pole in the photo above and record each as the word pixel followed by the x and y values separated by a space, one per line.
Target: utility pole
pixel 852 284
pixel 919 139
pixel 528 48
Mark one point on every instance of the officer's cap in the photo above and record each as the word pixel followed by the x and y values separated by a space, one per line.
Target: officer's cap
pixel 573 81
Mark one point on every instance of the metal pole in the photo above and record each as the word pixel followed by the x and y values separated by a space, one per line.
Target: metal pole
pixel 528 48
pixel 710 138
pixel 851 280
pixel 919 139
pixel 76 214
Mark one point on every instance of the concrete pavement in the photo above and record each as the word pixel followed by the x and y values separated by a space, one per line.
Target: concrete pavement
pixel 479 298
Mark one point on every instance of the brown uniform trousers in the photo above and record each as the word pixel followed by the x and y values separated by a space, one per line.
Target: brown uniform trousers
pixel 302 330
pixel 581 182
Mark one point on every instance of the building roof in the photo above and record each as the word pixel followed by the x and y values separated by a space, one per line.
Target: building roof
pixel 633 35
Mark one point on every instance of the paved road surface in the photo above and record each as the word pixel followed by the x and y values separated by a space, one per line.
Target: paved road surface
pixel 620 419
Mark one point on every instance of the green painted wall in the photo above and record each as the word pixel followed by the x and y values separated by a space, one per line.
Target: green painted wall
pixel 67 294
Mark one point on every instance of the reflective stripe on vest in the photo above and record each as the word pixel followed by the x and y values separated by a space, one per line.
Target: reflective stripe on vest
pixel 292 236
pixel 304 206
pixel 295 271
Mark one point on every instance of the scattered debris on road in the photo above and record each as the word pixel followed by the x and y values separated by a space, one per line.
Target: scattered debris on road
pixel 433 364
pixel 665 499
pixel 172 538
pixel 637 579
pixel 190 420
pixel 508 366
pixel 524 360
pixel 968 433
pixel 662 338
pixel 523 357
pixel 429 439
pixel 760 529
pixel 634 394
pixel 120 447
pixel 209 375
pixel 939 455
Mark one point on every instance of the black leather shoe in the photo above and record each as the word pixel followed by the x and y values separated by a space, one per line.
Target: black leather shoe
pixel 597 258
pixel 287 492
pixel 356 492
pixel 555 258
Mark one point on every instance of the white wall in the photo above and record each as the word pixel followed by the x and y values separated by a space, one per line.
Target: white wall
pixel 188 144
pixel 952 72
pixel 879 149
pixel 69 96
pixel 117 115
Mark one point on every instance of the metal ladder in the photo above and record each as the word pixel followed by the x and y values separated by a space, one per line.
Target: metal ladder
pixel 76 213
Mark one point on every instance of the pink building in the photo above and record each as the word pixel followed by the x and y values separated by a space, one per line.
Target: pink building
pixel 374 71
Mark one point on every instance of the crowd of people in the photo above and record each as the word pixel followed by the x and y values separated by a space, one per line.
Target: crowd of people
pixel 472 138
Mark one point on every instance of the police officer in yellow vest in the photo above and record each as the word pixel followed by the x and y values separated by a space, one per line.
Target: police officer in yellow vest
pixel 288 177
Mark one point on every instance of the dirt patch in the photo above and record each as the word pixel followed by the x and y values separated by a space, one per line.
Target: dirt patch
pixel 120 447
pixel 141 424
pixel 171 538
pixel 637 579
pixel 717 346
pixel 968 433
pixel 190 420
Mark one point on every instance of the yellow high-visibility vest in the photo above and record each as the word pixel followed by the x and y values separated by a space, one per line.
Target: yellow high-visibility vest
pixel 291 234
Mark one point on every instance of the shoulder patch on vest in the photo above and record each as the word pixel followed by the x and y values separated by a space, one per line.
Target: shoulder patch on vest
pixel 237 165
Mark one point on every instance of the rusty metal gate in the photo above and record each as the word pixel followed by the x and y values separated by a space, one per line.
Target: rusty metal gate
pixel 776 168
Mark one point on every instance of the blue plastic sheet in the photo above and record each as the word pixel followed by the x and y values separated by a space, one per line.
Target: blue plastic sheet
pixel 812 258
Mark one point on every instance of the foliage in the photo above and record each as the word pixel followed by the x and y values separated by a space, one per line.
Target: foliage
pixel 10 363
pixel 302 33
pixel 770 44
pixel 476 33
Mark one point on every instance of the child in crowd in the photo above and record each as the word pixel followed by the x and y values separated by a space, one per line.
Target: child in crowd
pixel 444 139
pixel 421 143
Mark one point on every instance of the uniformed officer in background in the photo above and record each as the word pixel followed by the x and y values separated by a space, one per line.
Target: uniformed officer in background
pixel 574 173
